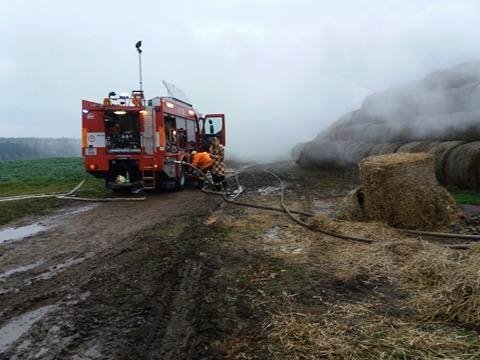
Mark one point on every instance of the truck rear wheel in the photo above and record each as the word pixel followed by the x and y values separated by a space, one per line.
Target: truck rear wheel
pixel 182 179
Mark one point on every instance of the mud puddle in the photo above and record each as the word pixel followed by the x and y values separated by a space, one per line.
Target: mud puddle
pixel 58 268
pixel 15 328
pixel 15 233
pixel 20 269
pixel 328 205
pixel 18 233
pixel 78 210
pixel 268 190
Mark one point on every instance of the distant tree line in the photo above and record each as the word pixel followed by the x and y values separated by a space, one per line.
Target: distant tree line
pixel 37 148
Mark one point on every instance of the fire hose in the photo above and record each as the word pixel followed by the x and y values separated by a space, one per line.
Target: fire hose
pixel 291 213
pixel 70 195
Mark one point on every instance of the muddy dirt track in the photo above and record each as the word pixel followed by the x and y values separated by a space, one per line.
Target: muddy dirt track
pixel 117 281
pixel 186 276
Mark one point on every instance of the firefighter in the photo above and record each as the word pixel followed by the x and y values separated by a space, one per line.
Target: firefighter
pixel 217 153
pixel 203 161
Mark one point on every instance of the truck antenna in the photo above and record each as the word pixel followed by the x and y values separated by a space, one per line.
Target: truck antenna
pixel 137 46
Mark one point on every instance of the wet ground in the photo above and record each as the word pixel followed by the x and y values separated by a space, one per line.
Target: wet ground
pixel 180 276
pixel 32 226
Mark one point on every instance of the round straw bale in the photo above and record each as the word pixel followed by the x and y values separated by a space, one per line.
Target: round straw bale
pixel 296 150
pixel 463 166
pixel 454 77
pixel 393 104
pixel 350 118
pixel 319 154
pixel 462 125
pixel 446 101
pixel 352 152
pixel 440 152
pixel 384 148
pixel 416 147
pixel 401 190
pixel 375 132
pixel 344 133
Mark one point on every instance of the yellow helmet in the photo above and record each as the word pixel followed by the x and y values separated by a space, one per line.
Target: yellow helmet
pixel 193 153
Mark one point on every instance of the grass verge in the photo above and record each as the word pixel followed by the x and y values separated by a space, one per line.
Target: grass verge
pixel 465 197
pixel 42 176
pixel 15 210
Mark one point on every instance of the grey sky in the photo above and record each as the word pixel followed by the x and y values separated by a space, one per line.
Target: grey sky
pixel 280 70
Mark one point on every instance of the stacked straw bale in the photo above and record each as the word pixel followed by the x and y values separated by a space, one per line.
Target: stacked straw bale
pixel 402 191
pixel 443 107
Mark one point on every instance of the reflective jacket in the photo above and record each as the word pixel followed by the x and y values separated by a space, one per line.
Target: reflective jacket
pixel 218 156
pixel 202 160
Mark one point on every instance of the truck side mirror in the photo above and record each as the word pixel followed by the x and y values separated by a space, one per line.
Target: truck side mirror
pixel 212 128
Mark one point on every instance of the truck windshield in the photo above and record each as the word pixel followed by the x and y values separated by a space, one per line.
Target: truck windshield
pixel 122 132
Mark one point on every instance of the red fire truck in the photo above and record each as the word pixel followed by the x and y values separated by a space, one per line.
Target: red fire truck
pixel 134 143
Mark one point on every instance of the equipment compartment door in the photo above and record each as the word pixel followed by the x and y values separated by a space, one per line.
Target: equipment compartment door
pixel 214 126
pixel 148 135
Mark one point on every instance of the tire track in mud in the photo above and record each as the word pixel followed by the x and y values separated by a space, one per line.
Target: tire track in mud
pixel 161 285
pixel 164 323
pixel 142 297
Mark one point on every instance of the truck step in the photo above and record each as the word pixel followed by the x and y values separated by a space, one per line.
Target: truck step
pixel 148 178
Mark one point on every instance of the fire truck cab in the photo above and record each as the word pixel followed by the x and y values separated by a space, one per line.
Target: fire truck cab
pixel 135 143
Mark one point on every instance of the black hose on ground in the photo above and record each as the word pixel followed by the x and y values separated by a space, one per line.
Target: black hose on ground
pixel 347 237
pixel 325 232
pixel 285 209
pixel 442 234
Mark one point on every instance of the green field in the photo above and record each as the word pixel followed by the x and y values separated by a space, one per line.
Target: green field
pixel 42 176
pixel 37 176
pixel 467 197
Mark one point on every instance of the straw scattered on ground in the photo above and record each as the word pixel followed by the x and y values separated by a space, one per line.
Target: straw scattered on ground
pixel 372 230
pixel 442 284
pixel 354 331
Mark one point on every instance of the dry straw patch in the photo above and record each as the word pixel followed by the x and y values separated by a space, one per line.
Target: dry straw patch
pixel 354 331
pixel 372 230
pixel 442 283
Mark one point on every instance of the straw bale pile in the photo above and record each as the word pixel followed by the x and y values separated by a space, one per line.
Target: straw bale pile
pixel 402 191
pixel 416 146
pixel 463 166
pixel 443 107
pixel 337 154
pixel 352 152
pixel 318 154
pixel 441 152
pixel 344 133
pixel 383 148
